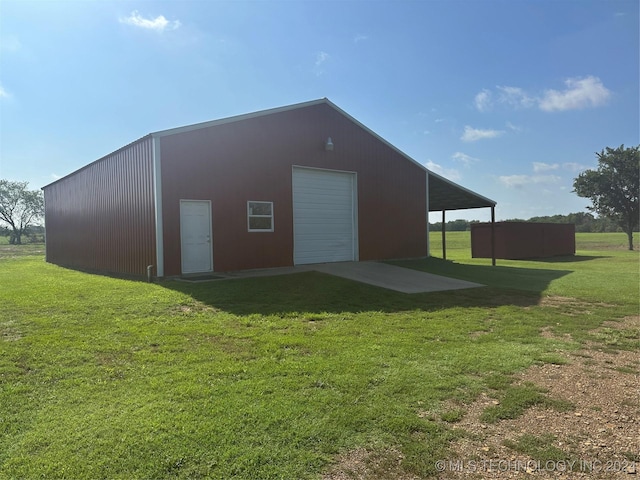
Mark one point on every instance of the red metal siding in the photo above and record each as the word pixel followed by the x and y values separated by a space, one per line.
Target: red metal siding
pixel 252 159
pixel 102 216
pixel 518 240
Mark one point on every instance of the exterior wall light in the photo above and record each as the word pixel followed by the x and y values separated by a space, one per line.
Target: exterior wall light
pixel 328 145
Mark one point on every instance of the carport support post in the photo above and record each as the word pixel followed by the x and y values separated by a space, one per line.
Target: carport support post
pixel 444 239
pixel 493 236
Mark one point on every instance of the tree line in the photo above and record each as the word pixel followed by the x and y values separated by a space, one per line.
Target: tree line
pixel 613 189
pixel 584 222
pixel 31 234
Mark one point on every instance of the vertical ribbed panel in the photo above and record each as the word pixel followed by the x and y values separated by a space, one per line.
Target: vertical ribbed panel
pixel 232 163
pixel 102 216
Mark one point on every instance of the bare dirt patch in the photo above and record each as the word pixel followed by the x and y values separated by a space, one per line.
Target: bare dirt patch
pixel 9 331
pixel 363 464
pixel 570 306
pixel 598 439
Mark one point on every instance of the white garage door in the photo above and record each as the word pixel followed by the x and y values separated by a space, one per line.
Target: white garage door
pixel 324 220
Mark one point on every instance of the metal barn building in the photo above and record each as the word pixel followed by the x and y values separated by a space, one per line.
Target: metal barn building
pixel 305 183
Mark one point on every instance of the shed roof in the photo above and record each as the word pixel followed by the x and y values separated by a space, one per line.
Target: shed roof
pixel 447 195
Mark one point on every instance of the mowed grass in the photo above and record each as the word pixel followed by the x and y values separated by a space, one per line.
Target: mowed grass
pixel 273 377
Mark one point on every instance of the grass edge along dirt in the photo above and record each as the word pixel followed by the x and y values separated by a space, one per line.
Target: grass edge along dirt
pixel 264 378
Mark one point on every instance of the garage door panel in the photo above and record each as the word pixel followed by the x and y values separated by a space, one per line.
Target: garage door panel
pixel 324 178
pixel 329 210
pixel 323 239
pixel 325 256
pixel 309 230
pixel 337 199
pixel 319 246
pixel 323 216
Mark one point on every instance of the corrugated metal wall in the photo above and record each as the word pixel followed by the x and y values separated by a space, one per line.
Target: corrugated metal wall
pixel 520 240
pixel 102 216
pixel 252 159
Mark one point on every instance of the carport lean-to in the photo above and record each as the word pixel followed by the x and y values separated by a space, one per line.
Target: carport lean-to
pixel 445 195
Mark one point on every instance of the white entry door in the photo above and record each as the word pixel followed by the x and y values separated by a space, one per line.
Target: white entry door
pixel 195 236
pixel 324 216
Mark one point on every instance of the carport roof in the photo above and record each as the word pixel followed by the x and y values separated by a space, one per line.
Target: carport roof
pixel 447 195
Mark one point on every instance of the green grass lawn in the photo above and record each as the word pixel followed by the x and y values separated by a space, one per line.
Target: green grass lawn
pixel 273 377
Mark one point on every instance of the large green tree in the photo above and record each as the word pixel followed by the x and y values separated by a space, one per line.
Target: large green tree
pixel 20 208
pixel 613 187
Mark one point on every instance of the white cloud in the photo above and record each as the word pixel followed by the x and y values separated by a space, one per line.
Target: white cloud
pixel 359 38
pixel 519 181
pixel 513 127
pixel 580 93
pixel 464 158
pixel 574 167
pixel 482 100
pixel 321 59
pixel 515 97
pixel 473 134
pixel 439 120
pixel 450 173
pixel 159 24
pixel 4 93
pixel 544 167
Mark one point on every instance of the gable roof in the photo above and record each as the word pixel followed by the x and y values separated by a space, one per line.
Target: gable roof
pixel 271 111
pixel 443 194
pixel 238 118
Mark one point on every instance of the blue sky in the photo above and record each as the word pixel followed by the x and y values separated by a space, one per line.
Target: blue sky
pixel 508 98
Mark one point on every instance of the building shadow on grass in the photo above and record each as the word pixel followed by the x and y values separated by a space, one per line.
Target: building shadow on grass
pixel 315 292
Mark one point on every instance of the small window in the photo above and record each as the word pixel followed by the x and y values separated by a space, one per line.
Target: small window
pixel 260 216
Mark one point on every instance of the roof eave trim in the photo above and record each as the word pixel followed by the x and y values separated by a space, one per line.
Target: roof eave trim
pixel 471 192
pixel 371 132
pixel 236 118
pixel 261 113
pixel 104 157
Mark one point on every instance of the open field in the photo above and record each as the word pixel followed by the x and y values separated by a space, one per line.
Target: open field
pixel 7 250
pixel 285 377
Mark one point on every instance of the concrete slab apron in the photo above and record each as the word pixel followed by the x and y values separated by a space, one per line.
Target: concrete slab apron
pixel 394 278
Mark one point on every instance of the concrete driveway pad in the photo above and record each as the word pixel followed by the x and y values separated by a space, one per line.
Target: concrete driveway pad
pixel 379 274
pixel 395 278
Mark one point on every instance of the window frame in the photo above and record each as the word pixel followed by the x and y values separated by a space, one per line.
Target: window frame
pixel 251 215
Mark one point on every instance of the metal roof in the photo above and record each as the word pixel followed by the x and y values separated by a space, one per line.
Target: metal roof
pixel 447 195
pixel 443 194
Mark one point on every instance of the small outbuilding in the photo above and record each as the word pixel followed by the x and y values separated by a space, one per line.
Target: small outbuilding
pixel 300 184
pixel 521 240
